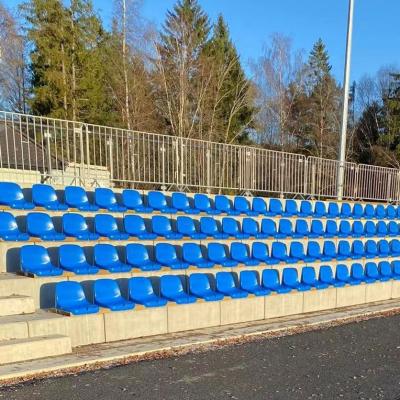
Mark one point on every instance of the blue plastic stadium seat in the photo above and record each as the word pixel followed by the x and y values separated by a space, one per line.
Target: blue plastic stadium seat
pixel 161 226
pixel 331 229
pixel 396 269
pixel 381 229
pixel 41 225
pixel 74 225
pixel 385 271
pixel 71 298
pixel 180 201
pixel 384 248
pixel 223 204
pixel 290 208
pixel 326 276
pixel 345 211
pixel 45 196
pixel 317 229
pixel 372 272
pixel 250 227
pixel 76 197
pixel 268 227
pixel 329 251
pixel 199 286
pixel 165 254
pixel 231 227
pixel 358 273
pixel 106 257
pixel 133 200
pixel 105 198
pixel 306 209
pixel 106 225
pixel 9 230
pixel 371 249
pixel 259 206
pixel 395 247
pixel 285 229
pixel 344 229
pixel 135 226
pixel 301 229
pixel 193 255
pixel 270 280
pixel 357 249
pixel 209 227
pixel 275 207
pixel 250 283
pixel 172 289
pixel 344 250
pixel 369 211
pixel 279 252
pixel 333 210
pixel 141 291
pixel 217 254
pixel 158 201
pixel 241 254
pixel 107 294
pixel 11 195
pixel 393 228
pixel 342 275
pixel 296 253
pixel 187 228
pixel 242 205
pixel 290 279
pixel 72 258
pixel 226 285
pixel 203 203
pixel 390 212
pixel 260 252
pixel 309 278
pixel 380 211
pixel 36 260
pixel 358 211
pixel 357 229
pixel 320 210
pixel 314 250
pixel 369 229
pixel 138 256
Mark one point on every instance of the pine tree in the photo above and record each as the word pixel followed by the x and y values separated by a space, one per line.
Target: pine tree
pixel 319 66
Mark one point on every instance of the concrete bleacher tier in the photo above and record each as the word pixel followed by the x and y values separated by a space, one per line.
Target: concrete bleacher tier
pixel 81 267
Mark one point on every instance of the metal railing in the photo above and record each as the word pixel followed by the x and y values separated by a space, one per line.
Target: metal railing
pixel 41 149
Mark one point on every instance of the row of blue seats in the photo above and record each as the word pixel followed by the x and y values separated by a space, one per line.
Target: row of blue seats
pixel 70 296
pixel 36 259
pixel 106 225
pixel 104 198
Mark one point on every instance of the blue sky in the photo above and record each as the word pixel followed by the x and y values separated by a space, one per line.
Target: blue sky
pixel 376 39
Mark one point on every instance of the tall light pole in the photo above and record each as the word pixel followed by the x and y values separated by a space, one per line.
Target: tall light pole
pixel 345 113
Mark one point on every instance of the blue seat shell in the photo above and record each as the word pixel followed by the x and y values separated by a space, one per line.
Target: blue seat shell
pixel 106 257
pixel 105 198
pixel 74 225
pixel 108 294
pixel 172 289
pixel 9 230
pixel 35 259
pixel 199 286
pixel 11 195
pixel 45 196
pixel 141 291
pixel 76 197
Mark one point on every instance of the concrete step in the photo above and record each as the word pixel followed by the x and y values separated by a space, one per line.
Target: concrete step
pixel 17 350
pixel 16 304
pixel 12 284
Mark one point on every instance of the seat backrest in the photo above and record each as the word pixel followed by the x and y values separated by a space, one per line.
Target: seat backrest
pixel 136 254
pixel 191 252
pixel 185 225
pixel 165 253
pixel 390 211
pixel 344 248
pixel 345 227
pixel 306 207
pixel 325 274
pixel 289 276
pixel 249 280
pixel 250 226
pixel 161 224
pixel 106 291
pixel 230 226
pixel 259 205
pixel 381 228
pixel 342 272
pixel 333 209
pixel 393 228
pixel 222 203
pixel 383 246
pixel 74 224
pixel 385 268
pixel 157 200
pixel 132 198
pixel 10 192
pixel 320 208
pixel 69 293
pixel 329 248
pixel 202 202
pixel 199 283
pixel 134 225
pixel 270 278
pixel 75 196
pixel 358 228
pixel 225 281
pixel 8 223
pixel 296 249
pixel 104 197
pixel 241 204
pixel 358 210
pixel 38 223
pixel 275 206
pixel 259 250
pixel 301 226
pixel 313 249
pixel 105 254
pixel 208 225
pixel 43 194
pixel 279 250
pixel 105 224
pixel 396 267
pixel 34 256
pixel 371 247
pixel 239 251
pixel 268 226
pixel 331 227
pixel 380 211
pixel 357 271
pixel 180 201
pixel 369 211
pixel 291 206
pixel 216 252
pixel 395 246
pixel 317 227
pixel 357 247
pixel 346 210
pixel 371 270
pixel 308 275
pixel 71 255
pixel 285 226
pixel 171 286
pixel 370 228
pixel 140 287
